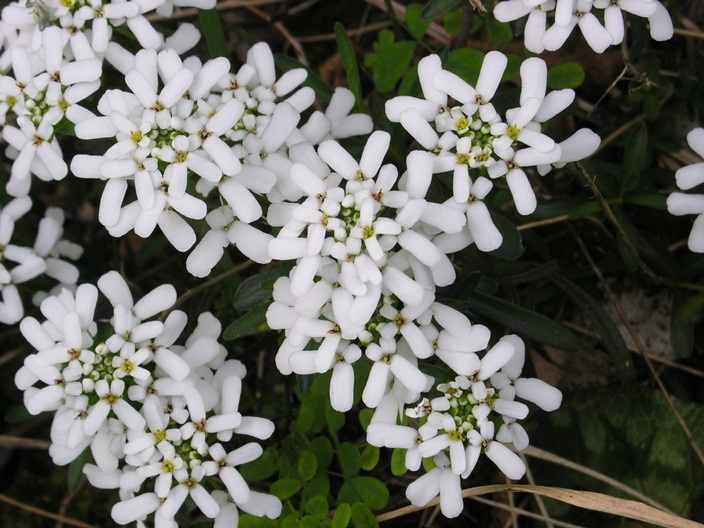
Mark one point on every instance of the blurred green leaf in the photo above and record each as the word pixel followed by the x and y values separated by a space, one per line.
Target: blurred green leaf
pixel 256 289
pixel 372 492
pixel 285 488
pixel 436 8
pixel 349 61
pixel 652 201
pixel 349 458
pixel 307 465
pixel 499 33
pixel 512 246
pixel 416 26
pixel 335 419
pixel 365 417
pixel 369 458
pixel 613 341
pixel 565 75
pixel 252 322
pixel 466 63
pixel 342 516
pixel 211 28
pixel 635 158
pixel 362 517
pixel 452 22
pixel 317 507
pixel 390 60
pixel 398 462
pixel 682 324
pixel 526 323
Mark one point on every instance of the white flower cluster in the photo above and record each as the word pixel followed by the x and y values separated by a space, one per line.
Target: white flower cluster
pixel 688 177
pixel 475 413
pixel 599 32
pixel 473 141
pixel 154 413
pixel 19 264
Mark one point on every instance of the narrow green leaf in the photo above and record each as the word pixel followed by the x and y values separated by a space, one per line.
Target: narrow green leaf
pixel 635 158
pixel 285 488
pixel 370 457
pixel 652 201
pixel 526 323
pixel 211 28
pixel 512 246
pixel 362 516
pixel 533 274
pixel 565 75
pixel 349 61
pixel 322 89
pixel 342 516
pixel 307 465
pixel 613 341
pixel 75 469
pixel 252 322
pixel 256 289
pixel 372 491
pixel 416 26
pixel 682 324
pixel 348 456
pixel 436 8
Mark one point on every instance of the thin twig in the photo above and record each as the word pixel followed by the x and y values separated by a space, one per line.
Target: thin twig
pixel 534 452
pixel 633 349
pixel 9 356
pixel 611 86
pixel 44 513
pixel 193 291
pixel 13 442
pixel 351 32
pixel 68 499
pixel 540 223
pixel 639 345
pixel 620 130
pixel 524 513
pixel 295 43
pixel 612 218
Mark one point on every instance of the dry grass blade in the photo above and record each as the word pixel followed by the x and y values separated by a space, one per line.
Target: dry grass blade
pixel 587 500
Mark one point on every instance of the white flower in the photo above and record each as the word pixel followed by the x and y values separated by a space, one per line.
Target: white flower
pixel 680 204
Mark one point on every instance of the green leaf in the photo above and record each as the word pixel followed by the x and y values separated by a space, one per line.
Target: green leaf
pixel 321 88
pixel 372 492
pixel 390 60
pixel 453 22
pixel 257 289
pixel 436 8
pixel 335 419
pixel 252 322
pixel 322 448
pixel 466 63
pixel 350 461
pixel 365 418
pixel 75 469
pixel 362 516
pixel 398 462
pixel 416 26
pixel 307 465
pixel 261 468
pixel 565 75
pixel 512 246
pixel 285 488
pixel 318 485
pixel 349 61
pixel 18 414
pixel 317 507
pixel 369 458
pixel 534 274
pixel 211 28
pixel 309 521
pixel 526 323
pixel 342 516
pixel 499 33
pixel 635 158
pixel 682 324
pixel 613 341
pixel 250 521
pixel 652 201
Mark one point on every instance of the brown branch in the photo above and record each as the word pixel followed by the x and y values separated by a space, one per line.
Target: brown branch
pixel 639 345
pixel 44 513
pixel 540 223
pixel 295 43
pixel 18 442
